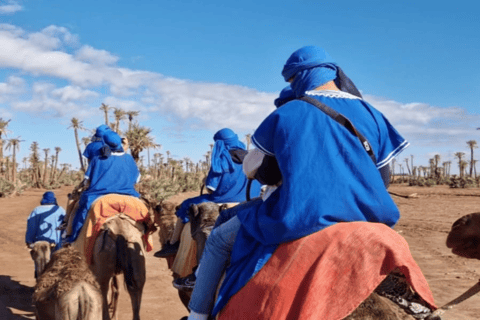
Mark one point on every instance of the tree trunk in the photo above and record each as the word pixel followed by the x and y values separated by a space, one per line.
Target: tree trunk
pixel 1 156
pixel 79 150
pixel 45 170
pixel 106 117
pixel 14 167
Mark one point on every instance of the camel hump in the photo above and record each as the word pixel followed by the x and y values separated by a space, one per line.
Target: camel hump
pixel 83 301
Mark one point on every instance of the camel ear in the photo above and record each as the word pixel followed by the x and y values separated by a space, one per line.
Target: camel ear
pixel 29 246
pixel 223 206
pixel 53 245
pixel 194 210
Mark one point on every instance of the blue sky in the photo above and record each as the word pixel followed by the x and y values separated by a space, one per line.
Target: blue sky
pixel 192 68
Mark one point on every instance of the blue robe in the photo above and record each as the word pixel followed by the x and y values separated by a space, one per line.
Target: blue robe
pixel 115 174
pixel 328 177
pixel 42 224
pixel 93 149
pixel 227 187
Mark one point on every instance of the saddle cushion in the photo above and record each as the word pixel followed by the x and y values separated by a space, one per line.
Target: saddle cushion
pixel 105 207
pixel 326 275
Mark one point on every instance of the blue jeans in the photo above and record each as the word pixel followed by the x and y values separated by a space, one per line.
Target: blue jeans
pixel 215 259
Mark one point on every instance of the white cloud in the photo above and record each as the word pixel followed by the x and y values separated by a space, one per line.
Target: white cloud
pixel 49 101
pixel 95 56
pixel 186 104
pixel 428 126
pixel 73 93
pixel 10 89
pixel 9 7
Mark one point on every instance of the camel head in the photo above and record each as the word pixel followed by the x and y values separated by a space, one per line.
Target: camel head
pixel 203 215
pixel 164 209
pixel 41 252
pixel 464 237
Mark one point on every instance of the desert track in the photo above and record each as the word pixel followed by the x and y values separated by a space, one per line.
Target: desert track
pixel 425 223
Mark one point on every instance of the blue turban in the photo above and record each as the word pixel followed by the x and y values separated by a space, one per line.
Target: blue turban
pixel 48 198
pixel 113 143
pixel 312 67
pixel 225 140
pixel 99 132
pixel 285 96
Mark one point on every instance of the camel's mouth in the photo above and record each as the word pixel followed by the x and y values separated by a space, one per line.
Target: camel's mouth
pixel 468 248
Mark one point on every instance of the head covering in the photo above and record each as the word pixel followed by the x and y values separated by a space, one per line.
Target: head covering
pixel 285 96
pixel 99 132
pixel 113 143
pixel 48 198
pixel 225 140
pixel 311 67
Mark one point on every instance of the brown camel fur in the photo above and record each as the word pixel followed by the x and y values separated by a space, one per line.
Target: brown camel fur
pixel 67 289
pixel 41 252
pixel 202 219
pixel 464 237
pixel 165 218
pixel 119 248
pixel 377 307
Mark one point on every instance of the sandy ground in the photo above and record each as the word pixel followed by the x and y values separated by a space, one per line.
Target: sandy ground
pixel 425 223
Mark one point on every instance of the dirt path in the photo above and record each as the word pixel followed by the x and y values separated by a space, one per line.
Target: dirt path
pixel 160 298
pixel 425 223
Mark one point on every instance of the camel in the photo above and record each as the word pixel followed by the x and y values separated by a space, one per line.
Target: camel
pixel 202 219
pixel 41 252
pixel 464 237
pixel 378 305
pixel 165 218
pixel 67 290
pixel 119 248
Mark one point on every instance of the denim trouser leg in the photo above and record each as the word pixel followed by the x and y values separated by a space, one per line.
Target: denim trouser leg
pixel 215 258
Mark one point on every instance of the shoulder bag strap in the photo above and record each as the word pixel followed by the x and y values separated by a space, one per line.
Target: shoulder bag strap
pixel 341 119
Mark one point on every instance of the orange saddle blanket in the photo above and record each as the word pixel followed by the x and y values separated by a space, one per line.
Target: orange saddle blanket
pixel 326 275
pixel 105 207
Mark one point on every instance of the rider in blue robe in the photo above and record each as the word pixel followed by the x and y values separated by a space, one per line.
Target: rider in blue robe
pixel 225 180
pixel 113 171
pixel 327 176
pixel 44 220
pixel 225 183
pixel 94 147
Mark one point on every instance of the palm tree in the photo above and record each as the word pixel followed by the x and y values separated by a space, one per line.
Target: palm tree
pixel 105 108
pixel 436 159
pixel 472 144
pixel 65 167
pixel 15 145
pixel 139 138
pixel 408 167
pixel 119 115
pixel 3 131
pixel 130 115
pixel 460 155
pixel 34 160
pixel 54 170
pixel 76 125
pixel 46 150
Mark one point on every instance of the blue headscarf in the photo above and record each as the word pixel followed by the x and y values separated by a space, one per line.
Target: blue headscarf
pixel 48 198
pixel 94 148
pixel 225 140
pixel 99 132
pixel 285 96
pixel 113 143
pixel 311 67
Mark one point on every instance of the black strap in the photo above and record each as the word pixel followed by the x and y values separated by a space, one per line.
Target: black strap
pixel 341 119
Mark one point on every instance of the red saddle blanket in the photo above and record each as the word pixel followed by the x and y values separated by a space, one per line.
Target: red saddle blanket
pixel 326 275
pixel 103 208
